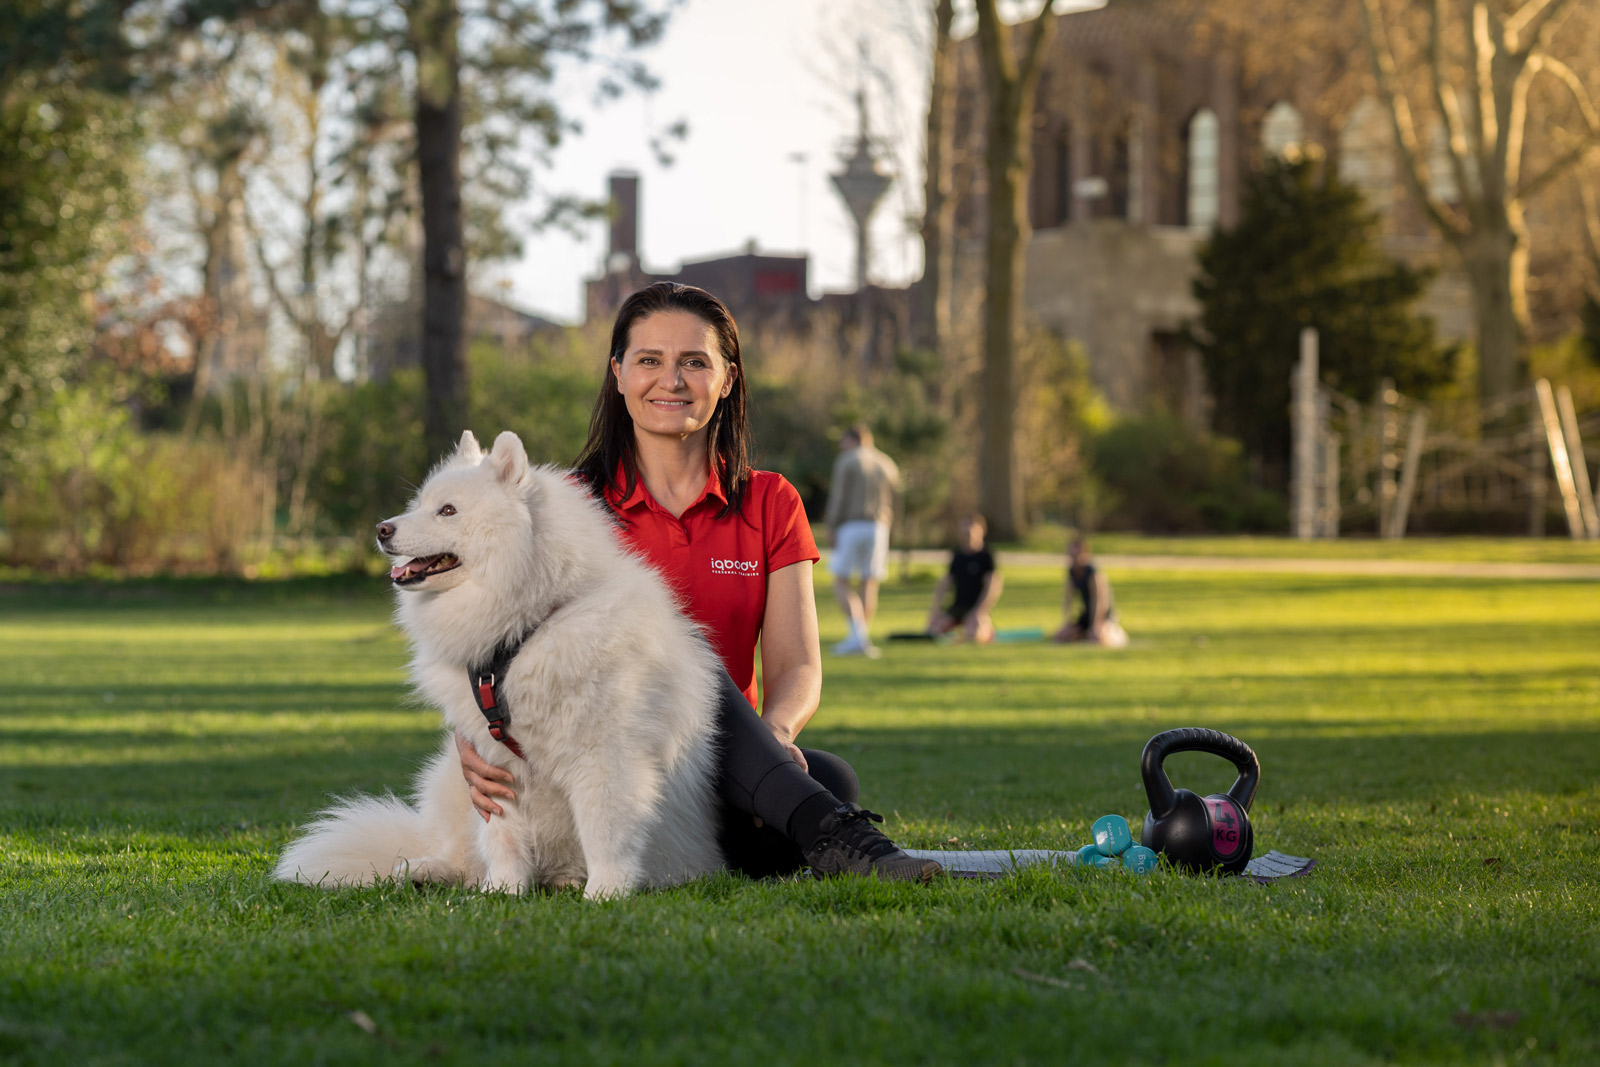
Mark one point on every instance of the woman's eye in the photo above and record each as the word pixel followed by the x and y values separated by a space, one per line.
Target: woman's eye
pixel 448 509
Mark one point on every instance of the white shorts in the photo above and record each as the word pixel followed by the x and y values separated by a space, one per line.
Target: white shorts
pixel 860 549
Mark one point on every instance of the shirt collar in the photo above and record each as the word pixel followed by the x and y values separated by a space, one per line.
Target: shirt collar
pixel 640 497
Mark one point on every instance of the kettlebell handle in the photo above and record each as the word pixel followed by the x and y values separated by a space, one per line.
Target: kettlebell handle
pixel 1163 798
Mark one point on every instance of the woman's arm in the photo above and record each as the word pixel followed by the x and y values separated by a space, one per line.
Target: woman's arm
pixel 791 654
pixel 992 584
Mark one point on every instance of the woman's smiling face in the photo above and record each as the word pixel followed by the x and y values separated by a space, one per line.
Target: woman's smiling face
pixel 672 375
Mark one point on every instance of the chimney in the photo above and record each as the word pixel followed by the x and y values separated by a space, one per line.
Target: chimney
pixel 624 221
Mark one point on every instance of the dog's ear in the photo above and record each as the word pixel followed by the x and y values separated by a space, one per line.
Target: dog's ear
pixel 509 459
pixel 467 452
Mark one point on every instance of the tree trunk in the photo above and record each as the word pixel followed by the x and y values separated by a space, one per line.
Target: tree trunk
pixel 1004 247
pixel 444 293
pixel 1009 83
pixel 219 314
pixel 1492 259
pixel 931 327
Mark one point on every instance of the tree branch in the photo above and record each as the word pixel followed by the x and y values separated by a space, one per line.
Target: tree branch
pixel 991 40
pixel 1490 42
pixel 1563 163
pixel 1477 71
pixel 1591 228
pixel 1404 129
pixel 1444 97
pixel 1530 23
pixel 1569 78
pixel 1038 32
pixel 267 270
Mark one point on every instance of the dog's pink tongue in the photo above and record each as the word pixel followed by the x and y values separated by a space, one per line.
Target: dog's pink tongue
pixel 410 567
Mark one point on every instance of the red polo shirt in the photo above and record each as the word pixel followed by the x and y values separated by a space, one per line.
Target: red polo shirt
pixel 718 567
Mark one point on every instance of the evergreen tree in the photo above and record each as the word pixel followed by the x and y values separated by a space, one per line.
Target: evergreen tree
pixel 1305 254
pixel 69 147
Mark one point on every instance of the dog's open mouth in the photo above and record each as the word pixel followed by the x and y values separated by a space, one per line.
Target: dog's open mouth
pixel 420 567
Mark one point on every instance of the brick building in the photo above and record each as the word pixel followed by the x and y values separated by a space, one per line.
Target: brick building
pixel 1143 136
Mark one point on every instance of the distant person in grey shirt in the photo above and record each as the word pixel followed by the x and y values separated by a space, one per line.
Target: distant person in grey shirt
pixel 860 510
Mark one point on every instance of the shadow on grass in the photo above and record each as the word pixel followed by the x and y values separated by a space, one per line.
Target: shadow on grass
pixel 973 780
pixel 196 698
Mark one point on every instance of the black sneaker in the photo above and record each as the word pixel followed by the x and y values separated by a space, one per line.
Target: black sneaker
pixel 850 844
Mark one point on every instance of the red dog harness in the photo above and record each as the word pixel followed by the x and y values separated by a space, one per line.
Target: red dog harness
pixel 485 683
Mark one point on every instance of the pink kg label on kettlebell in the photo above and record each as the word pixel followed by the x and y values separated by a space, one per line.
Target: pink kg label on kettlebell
pixel 1226 822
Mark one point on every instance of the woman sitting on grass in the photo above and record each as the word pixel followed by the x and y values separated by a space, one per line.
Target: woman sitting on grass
pixel 668 454
pixel 976 582
pixel 1097 622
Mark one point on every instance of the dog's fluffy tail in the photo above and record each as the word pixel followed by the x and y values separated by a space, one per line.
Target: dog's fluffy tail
pixel 357 841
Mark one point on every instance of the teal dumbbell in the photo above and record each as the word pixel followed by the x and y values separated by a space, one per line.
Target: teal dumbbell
pixel 1090 856
pixel 1140 860
pixel 1111 835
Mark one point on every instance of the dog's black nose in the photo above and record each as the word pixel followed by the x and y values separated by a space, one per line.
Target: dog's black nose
pixel 385 530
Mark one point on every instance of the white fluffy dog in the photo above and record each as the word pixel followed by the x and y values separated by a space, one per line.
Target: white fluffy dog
pixel 611 697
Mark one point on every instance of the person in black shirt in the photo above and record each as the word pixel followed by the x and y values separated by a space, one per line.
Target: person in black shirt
pixel 975 584
pixel 1097 622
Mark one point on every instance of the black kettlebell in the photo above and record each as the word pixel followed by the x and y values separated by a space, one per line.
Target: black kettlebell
pixel 1199 833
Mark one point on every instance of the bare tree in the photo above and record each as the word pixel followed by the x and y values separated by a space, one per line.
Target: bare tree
pixel 931 325
pixel 1475 64
pixel 1010 73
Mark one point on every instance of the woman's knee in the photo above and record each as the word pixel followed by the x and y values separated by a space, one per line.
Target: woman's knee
pixel 834 774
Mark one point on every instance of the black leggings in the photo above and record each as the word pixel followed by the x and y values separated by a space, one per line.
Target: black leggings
pixel 756 776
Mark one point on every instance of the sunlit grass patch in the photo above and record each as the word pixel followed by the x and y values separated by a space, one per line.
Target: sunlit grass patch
pixel 1431 743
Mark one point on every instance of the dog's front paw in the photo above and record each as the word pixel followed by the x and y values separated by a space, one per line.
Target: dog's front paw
pixel 596 890
pixel 495 883
pixel 562 880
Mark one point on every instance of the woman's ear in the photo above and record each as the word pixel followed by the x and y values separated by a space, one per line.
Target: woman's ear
pixel 616 371
pixel 727 385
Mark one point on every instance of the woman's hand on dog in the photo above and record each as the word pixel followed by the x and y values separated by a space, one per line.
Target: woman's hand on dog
pixel 484 780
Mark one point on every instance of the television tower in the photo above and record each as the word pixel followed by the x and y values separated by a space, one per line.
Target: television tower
pixel 861 185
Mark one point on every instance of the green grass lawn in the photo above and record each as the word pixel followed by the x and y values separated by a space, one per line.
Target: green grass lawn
pixel 1432 743
pixel 1553 549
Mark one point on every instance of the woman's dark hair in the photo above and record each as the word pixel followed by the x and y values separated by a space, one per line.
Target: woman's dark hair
pixel 609 450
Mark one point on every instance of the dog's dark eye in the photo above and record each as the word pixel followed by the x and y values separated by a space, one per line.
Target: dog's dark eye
pixel 448 509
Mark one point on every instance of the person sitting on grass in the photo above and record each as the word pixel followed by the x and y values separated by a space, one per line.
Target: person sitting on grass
pixel 1097 622
pixel 976 584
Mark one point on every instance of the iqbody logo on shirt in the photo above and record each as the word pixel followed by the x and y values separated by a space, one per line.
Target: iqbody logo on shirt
pixel 747 567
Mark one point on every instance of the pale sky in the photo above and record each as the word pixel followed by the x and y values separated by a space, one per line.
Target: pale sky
pixel 758 81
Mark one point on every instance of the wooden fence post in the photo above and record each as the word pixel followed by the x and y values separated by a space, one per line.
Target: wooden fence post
pixel 1329 512
pixel 1415 434
pixel 1587 505
pixel 1303 483
pixel 1556 442
pixel 1388 437
pixel 1538 454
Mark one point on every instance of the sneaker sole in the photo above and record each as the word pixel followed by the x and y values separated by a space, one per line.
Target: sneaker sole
pixel 927 873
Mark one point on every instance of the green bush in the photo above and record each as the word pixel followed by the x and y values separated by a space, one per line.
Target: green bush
pixel 799 409
pixel 84 491
pixel 547 404
pixel 375 457
pixel 1163 476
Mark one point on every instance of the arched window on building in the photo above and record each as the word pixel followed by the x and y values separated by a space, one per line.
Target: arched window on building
pixel 1204 149
pixel 1283 129
pixel 1121 172
pixel 1064 179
